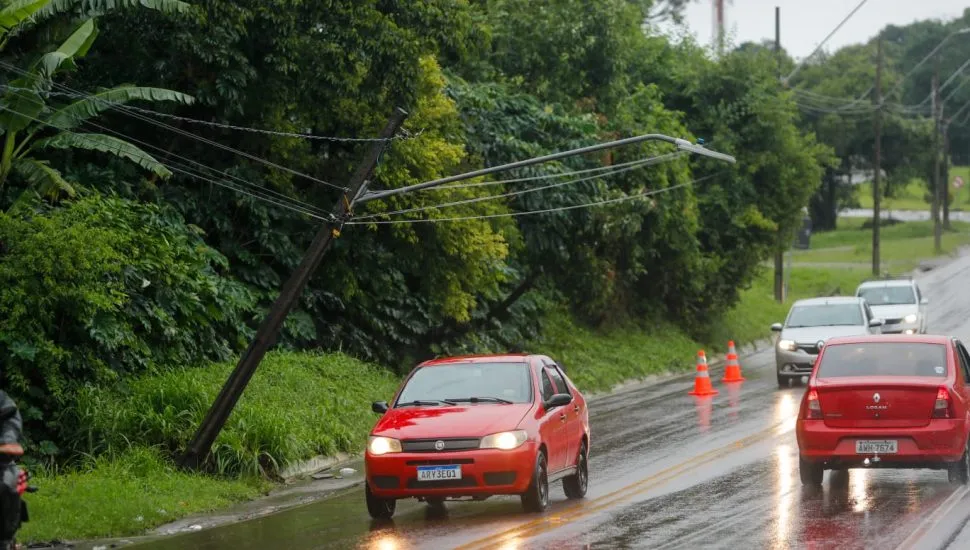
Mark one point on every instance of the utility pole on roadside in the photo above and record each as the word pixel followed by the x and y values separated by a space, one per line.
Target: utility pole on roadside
pixel 937 117
pixel 945 180
pixel 780 245
pixel 877 162
pixel 269 329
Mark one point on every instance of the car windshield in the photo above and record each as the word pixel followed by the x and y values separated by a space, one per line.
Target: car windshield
pixel 486 382
pixel 825 315
pixel 888 295
pixel 883 359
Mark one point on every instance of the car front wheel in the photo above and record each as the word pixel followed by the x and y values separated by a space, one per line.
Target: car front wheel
pixel 575 485
pixel 536 497
pixel 377 507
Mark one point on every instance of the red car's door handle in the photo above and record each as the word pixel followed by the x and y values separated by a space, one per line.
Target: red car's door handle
pixel 576 408
pixel 562 416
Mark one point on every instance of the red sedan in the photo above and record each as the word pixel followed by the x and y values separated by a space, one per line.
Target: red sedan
pixel 473 427
pixel 887 401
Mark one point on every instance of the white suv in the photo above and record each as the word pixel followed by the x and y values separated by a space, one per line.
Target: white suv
pixel 897 301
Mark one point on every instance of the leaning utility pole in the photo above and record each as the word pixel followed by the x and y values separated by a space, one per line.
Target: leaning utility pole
pixel 782 235
pixel 357 193
pixel 266 335
pixel 877 162
pixel 937 116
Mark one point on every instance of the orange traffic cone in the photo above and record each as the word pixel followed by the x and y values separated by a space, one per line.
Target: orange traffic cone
pixel 702 380
pixel 732 371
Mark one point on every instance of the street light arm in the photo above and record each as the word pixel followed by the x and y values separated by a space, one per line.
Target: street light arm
pixel 681 144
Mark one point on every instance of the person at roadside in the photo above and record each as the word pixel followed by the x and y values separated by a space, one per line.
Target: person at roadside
pixel 11 426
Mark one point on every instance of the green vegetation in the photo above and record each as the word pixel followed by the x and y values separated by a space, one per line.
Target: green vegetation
pixel 915 195
pixel 137 490
pixel 137 256
pixel 903 245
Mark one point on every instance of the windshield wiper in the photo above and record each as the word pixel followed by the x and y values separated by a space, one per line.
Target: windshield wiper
pixel 481 400
pixel 426 403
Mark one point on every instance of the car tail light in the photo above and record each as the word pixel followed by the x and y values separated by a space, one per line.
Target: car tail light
pixel 943 407
pixel 814 410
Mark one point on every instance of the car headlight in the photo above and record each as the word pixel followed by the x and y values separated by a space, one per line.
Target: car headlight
pixel 787 345
pixel 911 318
pixel 383 445
pixel 505 441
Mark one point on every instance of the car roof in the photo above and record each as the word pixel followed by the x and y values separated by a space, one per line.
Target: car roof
pixel 466 359
pixel 826 300
pixel 886 283
pixel 889 338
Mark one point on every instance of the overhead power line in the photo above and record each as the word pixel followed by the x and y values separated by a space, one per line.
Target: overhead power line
pixel 257 192
pixel 822 43
pixel 125 110
pixel 405 135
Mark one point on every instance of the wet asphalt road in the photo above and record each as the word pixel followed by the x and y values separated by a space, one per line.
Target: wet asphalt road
pixel 670 471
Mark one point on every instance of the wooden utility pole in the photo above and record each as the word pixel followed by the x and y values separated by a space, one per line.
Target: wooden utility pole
pixel 946 173
pixel 215 419
pixel 877 162
pixel 782 235
pixel 937 119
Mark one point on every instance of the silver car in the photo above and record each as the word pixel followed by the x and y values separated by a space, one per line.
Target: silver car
pixel 899 302
pixel 810 323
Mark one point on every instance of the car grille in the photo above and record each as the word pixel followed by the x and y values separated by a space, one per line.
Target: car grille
pixel 894 321
pixel 809 348
pixel 445 462
pixel 428 445
pixel 413 483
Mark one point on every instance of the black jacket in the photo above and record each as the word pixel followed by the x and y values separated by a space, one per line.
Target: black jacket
pixel 10 422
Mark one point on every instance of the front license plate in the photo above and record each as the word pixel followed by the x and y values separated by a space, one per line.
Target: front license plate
pixel 876 447
pixel 439 473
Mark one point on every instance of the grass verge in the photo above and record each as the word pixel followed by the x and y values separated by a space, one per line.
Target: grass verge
pixel 915 195
pixel 301 404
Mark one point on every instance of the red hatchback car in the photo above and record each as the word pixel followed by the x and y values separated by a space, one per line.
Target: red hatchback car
pixel 886 401
pixel 473 427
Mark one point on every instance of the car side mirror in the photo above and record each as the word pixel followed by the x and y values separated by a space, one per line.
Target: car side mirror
pixel 876 323
pixel 776 327
pixel 380 407
pixel 559 400
pixel 924 301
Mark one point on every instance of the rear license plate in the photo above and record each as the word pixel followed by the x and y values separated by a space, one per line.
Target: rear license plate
pixel 880 447
pixel 439 473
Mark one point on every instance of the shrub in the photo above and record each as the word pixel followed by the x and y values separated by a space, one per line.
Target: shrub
pixel 105 288
pixel 297 405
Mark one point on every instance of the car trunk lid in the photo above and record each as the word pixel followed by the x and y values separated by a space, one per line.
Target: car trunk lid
pixel 877 402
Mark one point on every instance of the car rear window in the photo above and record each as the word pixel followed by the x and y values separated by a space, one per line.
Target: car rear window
pixel 508 381
pixel 883 359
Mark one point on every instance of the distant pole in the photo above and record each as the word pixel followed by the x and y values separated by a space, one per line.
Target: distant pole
pixel 780 245
pixel 946 173
pixel 937 119
pixel 268 331
pixel 877 162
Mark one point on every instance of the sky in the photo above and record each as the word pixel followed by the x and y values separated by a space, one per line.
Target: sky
pixel 805 23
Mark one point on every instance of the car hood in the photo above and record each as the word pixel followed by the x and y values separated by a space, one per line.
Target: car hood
pixel 442 422
pixel 894 311
pixel 811 335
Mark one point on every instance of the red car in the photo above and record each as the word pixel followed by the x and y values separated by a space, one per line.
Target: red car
pixel 886 401
pixel 473 427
